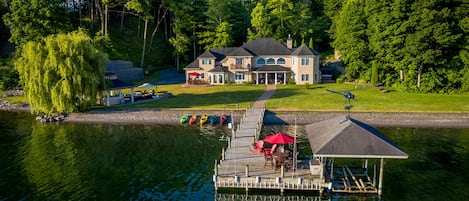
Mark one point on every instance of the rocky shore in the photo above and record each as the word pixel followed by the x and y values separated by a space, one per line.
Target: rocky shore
pixel 172 116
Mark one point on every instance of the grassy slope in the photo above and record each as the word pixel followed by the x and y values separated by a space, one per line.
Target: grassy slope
pixel 315 97
pixel 366 99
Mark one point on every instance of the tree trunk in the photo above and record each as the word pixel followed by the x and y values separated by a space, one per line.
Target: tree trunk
pixel 101 15
pixel 419 76
pixel 122 18
pixel 160 19
pixel 144 42
pixel 106 16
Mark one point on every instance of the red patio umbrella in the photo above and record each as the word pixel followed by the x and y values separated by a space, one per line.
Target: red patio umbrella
pixel 279 138
pixel 195 74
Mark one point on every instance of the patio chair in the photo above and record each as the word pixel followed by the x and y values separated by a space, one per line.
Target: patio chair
pixel 269 159
pixel 259 147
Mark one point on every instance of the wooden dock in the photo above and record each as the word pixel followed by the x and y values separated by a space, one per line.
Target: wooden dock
pixel 242 168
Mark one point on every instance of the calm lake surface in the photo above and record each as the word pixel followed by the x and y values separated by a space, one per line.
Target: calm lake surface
pixel 160 162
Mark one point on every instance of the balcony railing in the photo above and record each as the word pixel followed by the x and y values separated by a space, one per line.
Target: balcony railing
pixel 240 66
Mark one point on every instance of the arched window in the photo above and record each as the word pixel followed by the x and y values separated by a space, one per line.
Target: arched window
pixel 281 61
pixel 260 61
pixel 270 61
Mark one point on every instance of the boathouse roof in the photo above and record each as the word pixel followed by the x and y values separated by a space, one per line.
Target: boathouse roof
pixel 349 138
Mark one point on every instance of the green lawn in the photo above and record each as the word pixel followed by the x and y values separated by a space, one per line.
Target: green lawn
pixel 205 97
pixel 367 98
pixel 300 97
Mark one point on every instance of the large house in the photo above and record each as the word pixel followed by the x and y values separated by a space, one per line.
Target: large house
pixel 259 61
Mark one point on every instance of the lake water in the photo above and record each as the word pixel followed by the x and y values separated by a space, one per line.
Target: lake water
pixel 160 162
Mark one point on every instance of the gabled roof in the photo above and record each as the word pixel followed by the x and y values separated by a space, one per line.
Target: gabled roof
pixel 273 68
pixel 208 55
pixel 266 46
pixel 193 65
pixel 303 50
pixel 350 138
pixel 218 69
pixel 240 52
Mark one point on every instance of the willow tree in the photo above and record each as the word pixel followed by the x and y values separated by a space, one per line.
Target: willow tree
pixel 61 73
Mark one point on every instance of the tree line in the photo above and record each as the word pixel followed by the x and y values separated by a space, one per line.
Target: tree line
pixel 416 45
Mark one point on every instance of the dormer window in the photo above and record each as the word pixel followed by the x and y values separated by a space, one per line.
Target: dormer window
pixel 270 61
pixel 206 61
pixel 281 61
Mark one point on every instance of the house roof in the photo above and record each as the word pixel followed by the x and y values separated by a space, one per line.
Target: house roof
pixel 218 69
pixel 119 84
pixel 241 51
pixel 350 138
pixel 193 65
pixel 303 50
pixel 273 68
pixel 207 54
pixel 266 46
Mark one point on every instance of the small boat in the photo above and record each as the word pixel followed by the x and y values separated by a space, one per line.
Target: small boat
pixel 203 119
pixel 193 119
pixel 184 119
pixel 222 119
pixel 212 119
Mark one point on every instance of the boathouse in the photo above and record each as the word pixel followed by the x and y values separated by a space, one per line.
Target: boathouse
pixel 345 137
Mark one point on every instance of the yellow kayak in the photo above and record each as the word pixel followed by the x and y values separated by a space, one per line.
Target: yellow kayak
pixel 203 119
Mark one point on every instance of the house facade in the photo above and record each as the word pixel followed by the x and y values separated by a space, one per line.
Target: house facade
pixel 259 61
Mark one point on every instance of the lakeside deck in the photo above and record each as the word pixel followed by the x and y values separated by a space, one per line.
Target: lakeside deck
pixel 240 167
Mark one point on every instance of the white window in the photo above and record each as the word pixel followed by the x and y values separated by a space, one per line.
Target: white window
pixel 304 77
pixel 305 61
pixel 281 61
pixel 239 61
pixel 206 61
pixel 239 76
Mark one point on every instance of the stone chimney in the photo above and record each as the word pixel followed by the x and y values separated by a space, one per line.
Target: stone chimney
pixel 289 42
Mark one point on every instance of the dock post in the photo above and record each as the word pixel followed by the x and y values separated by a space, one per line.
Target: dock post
pixel 380 181
pixel 215 168
pixel 223 153
pixel 247 171
pixel 282 171
pixel 229 142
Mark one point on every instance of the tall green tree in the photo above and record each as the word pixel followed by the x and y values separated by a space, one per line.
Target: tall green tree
pixel 429 44
pixel 220 38
pixel 351 39
pixel 61 73
pixel 33 20
pixel 231 12
pixel 143 8
pixel 260 23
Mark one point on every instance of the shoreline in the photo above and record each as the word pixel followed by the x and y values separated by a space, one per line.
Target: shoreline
pixel 172 116
pixel 271 117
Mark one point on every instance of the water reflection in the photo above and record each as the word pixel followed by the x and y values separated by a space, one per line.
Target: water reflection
pixel 109 162
pixel 156 162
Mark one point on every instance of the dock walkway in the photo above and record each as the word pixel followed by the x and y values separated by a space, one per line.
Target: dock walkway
pixel 242 168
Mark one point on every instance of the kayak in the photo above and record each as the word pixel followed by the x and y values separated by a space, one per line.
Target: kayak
pixel 193 119
pixel 184 119
pixel 203 119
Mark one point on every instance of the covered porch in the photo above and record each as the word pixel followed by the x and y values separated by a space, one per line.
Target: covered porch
pixel 348 138
pixel 271 74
